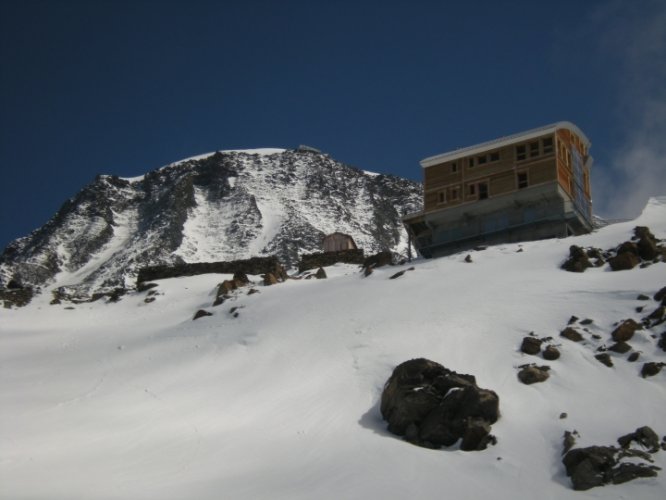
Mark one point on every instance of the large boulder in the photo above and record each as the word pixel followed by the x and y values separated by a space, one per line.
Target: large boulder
pixel 433 406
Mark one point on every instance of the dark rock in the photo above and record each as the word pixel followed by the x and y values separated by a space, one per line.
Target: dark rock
pixel 599 465
pixel 270 279
pixel 644 436
pixel 571 334
pixel 657 316
pixel 201 313
pixel 577 261
pixel 320 274
pixel 642 297
pixel 477 435
pixel 551 353
pixel 660 295
pixel 633 357
pixel 568 440
pixel 142 287
pixel 572 320
pixel 624 261
pixel 639 309
pixel 620 347
pixel 651 369
pixel 252 291
pixel 625 330
pixel 367 271
pixel 397 275
pixel 605 359
pixel 531 345
pixel 628 471
pixel 662 341
pixel 240 278
pixel 533 374
pixel 586 321
pixel 647 249
pixel 468 259
pixel 643 232
pixel 148 300
pixel 17 297
pixel 627 247
pixel 432 406
pixel 563 415
pixel 378 260
pixel 589 467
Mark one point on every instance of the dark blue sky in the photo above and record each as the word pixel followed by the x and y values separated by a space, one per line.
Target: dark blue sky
pixel 122 87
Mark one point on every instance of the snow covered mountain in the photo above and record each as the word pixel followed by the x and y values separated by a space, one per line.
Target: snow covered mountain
pixel 276 394
pixel 219 206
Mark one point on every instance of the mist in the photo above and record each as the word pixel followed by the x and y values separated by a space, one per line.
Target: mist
pixel 633 38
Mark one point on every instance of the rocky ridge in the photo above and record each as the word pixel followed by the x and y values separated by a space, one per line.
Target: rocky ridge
pixel 223 206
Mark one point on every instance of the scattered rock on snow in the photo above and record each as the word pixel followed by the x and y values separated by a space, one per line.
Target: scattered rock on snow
pixel 605 359
pixel 201 313
pixel 531 345
pixel 532 374
pixel 320 274
pixel 571 334
pixel 270 279
pixel 577 261
pixel 624 261
pixel 600 465
pixel 651 369
pixel 620 347
pixel 644 436
pixel 551 353
pixel 625 330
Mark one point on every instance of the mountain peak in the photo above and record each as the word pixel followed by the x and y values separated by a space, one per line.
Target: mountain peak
pixel 224 205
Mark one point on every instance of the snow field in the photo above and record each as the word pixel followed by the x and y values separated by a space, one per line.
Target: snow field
pixel 137 401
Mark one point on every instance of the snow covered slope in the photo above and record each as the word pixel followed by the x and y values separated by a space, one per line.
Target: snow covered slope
pixel 134 400
pixel 218 206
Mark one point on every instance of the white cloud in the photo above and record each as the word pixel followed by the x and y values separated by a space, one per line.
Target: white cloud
pixel 634 41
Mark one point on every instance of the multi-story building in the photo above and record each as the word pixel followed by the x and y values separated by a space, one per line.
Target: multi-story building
pixel 527 186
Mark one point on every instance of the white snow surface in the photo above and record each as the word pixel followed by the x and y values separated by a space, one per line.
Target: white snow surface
pixel 134 400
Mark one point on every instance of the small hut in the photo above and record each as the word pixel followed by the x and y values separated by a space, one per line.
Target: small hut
pixel 336 242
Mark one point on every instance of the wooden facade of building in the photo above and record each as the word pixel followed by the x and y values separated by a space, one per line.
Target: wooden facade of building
pixel 336 242
pixel 527 186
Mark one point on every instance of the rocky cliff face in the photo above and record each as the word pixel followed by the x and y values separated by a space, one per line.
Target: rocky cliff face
pixel 222 206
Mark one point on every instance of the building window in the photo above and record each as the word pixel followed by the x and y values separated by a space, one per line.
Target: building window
pixel 521 153
pixel 534 149
pixel 455 193
pixel 483 190
pixel 494 156
pixel 472 189
pixel 522 180
pixel 471 162
pixel 482 159
pixel 547 145
pixel 441 197
pixel 454 168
